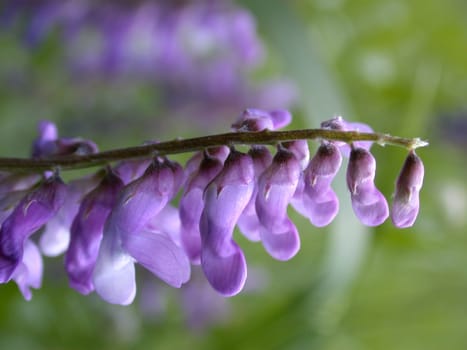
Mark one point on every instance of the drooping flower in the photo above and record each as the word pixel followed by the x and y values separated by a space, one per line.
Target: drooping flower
pixel 191 203
pixel 222 260
pixel 248 222
pixel 87 230
pixel 406 201
pixel 276 187
pixel 31 213
pixel 368 202
pixel 317 200
pixel 127 241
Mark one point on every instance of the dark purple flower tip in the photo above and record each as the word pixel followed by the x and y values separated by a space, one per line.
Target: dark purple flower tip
pixel 282 242
pixel 361 169
pixel 258 120
pixel 28 274
pixel 191 205
pixel 32 212
pixel 324 165
pixel 87 230
pixel 406 202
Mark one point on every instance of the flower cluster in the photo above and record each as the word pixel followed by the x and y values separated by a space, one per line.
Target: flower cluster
pixel 124 214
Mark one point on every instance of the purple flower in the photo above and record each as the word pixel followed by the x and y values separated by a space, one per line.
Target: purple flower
pixel 259 120
pixel 87 230
pixel 248 222
pixel 338 123
pixel 368 202
pixel 191 205
pixel 31 213
pixel 200 54
pixel 317 200
pixel 126 239
pixel 55 238
pixel 406 197
pixel 226 197
pixel 48 143
pixel 276 187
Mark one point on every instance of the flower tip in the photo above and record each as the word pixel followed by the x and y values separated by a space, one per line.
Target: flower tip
pixel 417 143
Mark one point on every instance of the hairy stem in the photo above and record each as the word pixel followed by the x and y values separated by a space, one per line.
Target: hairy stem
pixel 200 143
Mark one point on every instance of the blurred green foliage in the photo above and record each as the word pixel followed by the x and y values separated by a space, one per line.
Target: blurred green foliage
pixel 400 67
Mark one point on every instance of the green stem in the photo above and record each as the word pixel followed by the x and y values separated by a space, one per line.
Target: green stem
pixel 200 143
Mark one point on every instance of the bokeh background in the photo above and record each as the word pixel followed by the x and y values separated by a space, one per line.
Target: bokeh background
pixel 124 72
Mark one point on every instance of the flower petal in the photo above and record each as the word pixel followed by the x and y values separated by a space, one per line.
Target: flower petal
pixel 28 274
pixel 160 255
pixel 283 243
pixel 225 272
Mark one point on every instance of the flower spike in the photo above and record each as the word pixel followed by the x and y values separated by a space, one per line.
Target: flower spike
pixel 126 214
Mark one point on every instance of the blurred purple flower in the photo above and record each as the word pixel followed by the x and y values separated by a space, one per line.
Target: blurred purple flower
pixel 200 54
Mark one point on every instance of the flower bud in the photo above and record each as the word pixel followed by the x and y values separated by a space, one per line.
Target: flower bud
pixel 406 197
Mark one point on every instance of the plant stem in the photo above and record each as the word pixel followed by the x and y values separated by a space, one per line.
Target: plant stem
pixel 200 143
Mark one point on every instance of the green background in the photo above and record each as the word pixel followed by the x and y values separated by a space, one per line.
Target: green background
pixel 400 66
